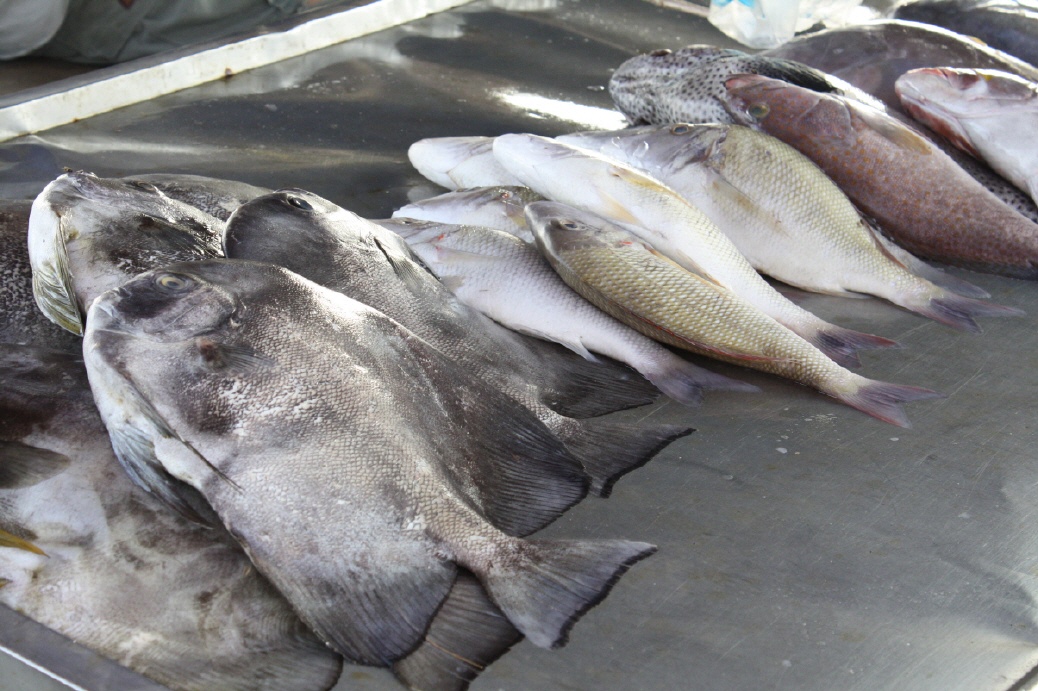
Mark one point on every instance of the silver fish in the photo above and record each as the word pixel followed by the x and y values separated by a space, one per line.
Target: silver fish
pixel 107 565
pixel 339 250
pixel 499 207
pixel 662 218
pixel 88 234
pixel 625 276
pixel 21 321
pixel 359 467
pixel 984 112
pixel 783 213
pixel 459 162
pixel 509 281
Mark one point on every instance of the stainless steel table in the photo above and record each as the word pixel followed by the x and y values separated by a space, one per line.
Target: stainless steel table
pixel 802 545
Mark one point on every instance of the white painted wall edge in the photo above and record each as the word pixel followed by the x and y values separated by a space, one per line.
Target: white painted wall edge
pixel 108 93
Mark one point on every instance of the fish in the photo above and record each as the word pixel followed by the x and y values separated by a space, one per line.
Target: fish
pixel 359 467
pixel 21 321
pixel 783 213
pixel 872 55
pixel 625 276
pixel 687 85
pixel 499 207
pixel 1010 26
pixel 509 281
pixel 88 234
pixel 984 112
pixel 919 196
pixel 337 249
pixel 459 162
pixel 666 221
pixel 215 196
pixel 90 555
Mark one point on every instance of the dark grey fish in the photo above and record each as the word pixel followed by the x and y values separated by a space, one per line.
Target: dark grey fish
pixel 21 321
pixel 872 56
pixel 1008 25
pixel 107 565
pixel 359 467
pixel 88 234
pixel 215 196
pixel 341 251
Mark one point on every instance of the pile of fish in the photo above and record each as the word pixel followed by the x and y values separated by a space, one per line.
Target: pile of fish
pixel 290 436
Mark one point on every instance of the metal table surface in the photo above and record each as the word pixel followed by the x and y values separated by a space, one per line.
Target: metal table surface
pixel 802 545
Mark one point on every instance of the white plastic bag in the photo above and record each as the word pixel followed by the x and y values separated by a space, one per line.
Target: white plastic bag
pixel 770 23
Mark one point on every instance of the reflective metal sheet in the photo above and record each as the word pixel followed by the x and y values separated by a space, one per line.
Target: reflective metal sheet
pixel 802 545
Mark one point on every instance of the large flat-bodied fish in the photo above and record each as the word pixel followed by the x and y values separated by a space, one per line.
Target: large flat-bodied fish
pixel 623 275
pixel 919 196
pixel 89 234
pixel 339 250
pixel 358 466
pixel 661 217
pixel 1008 25
pixel 21 321
pixel 509 281
pixel 783 213
pixel 107 565
pixel 990 114
pixel 215 196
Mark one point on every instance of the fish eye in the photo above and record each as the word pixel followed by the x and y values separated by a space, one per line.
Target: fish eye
pixel 758 111
pixel 681 129
pixel 300 203
pixel 568 225
pixel 660 53
pixel 506 195
pixel 173 283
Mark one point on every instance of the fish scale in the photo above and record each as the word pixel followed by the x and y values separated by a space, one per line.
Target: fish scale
pixel 626 278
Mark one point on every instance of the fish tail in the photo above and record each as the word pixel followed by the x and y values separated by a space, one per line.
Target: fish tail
pixel 609 450
pixel 467 634
pixel 685 382
pixel 584 389
pixel 883 400
pixel 842 345
pixel 545 586
pixel 958 312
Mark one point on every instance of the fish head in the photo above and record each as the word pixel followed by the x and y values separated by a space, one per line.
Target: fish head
pixel 292 228
pixel 636 85
pixel 538 161
pixel 559 228
pixel 435 157
pixel 787 111
pixel 89 234
pixel 668 147
pixel 943 98
pixel 474 205
pixel 174 303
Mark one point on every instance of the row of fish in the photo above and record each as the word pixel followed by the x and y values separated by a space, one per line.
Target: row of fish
pixel 368 451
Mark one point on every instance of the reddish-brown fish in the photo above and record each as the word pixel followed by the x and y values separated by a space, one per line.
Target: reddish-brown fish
pixel 921 198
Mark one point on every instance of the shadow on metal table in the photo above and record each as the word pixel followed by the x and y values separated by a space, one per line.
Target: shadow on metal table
pixel 802 545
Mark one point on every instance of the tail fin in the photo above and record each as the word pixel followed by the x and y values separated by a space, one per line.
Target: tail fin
pixel 685 382
pixel 841 345
pixel 958 312
pixel 578 388
pixel 883 400
pixel 467 634
pixel 545 586
pixel 609 450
